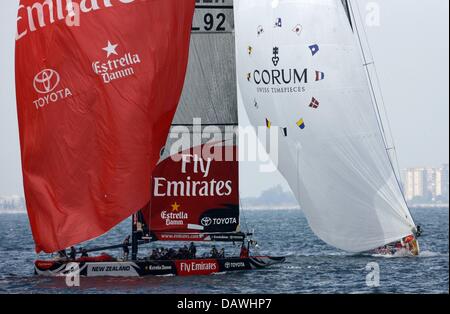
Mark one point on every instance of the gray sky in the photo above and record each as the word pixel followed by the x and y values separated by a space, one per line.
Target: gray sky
pixel 411 50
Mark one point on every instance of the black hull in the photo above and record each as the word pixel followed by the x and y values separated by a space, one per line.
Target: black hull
pixel 143 268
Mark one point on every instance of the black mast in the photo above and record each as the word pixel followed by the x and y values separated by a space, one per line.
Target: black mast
pixel 140 233
pixel 134 237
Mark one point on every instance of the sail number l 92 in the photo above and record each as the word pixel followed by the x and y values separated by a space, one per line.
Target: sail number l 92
pixel 210 22
pixel 213 19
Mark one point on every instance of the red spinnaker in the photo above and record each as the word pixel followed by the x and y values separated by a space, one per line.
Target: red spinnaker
pixel 98 83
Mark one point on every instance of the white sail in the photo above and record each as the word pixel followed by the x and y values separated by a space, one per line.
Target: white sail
pixel 300 71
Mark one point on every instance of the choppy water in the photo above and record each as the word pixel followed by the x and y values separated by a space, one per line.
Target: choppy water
pixel 311 267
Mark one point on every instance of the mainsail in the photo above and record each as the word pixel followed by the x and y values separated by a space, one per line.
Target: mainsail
pixel 98 83
pixel 299 61
pixel 195 188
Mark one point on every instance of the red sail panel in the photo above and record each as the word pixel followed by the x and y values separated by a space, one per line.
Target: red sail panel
pixel 195 194
pixel 98 83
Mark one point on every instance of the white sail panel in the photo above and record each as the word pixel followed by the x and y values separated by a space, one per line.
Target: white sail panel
pixel 299 70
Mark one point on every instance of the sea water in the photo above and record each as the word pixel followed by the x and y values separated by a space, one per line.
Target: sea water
pixel 311 266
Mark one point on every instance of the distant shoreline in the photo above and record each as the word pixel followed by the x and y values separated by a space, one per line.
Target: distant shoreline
pixel 12 211
pixel 293 207
pixel 263 208
pixel 429 206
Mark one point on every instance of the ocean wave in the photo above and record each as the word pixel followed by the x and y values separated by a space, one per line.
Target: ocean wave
pixel 405 254
pixel 428 254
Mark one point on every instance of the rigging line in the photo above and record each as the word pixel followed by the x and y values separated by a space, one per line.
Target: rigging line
pixel 375 103
pixel 374 98
pixel 383 102
pixel 242 210
pixel 390 133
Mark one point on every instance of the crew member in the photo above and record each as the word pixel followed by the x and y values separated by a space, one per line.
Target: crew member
pixel 214 252
pixel 185 252
pixel 126 250
pixel 192 250
pixel 84 253
pixel 419 231
pixel 73 253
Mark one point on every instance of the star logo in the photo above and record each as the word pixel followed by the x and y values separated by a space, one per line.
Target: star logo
pixel 176 207
pixel 110 49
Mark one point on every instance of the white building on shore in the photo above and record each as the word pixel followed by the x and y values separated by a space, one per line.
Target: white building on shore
pixel 426 184
pixel 13 202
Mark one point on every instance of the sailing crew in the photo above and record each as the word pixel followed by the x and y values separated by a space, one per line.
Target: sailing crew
pixel 222 253
pixel 126 250
pixel 214 252
pixel 73 253
pixel 164 253
pixel 180 254
pixel 185 252
pixel 84 253
pixel 192 250
pixel 171 254
pixel 419 231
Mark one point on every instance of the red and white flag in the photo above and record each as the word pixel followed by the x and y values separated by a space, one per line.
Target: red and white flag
pixel 98 83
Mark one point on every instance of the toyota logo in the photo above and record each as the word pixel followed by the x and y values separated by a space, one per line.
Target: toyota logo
pixel 46 81
pixel 206 221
